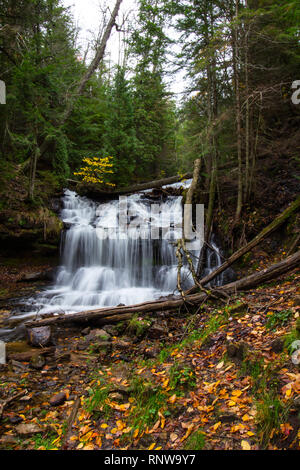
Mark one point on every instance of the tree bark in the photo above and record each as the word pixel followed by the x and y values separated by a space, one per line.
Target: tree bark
pixel 111 315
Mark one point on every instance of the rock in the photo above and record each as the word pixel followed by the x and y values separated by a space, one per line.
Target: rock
pixel 112 330
pixel 86 331
pixel 98 335
pixel 121 345
pixel 28 429
pixel 40 337
pixel 103 346
pixel 46 275
pixel 277 345
pixel 157 331
pixel 37 362
pixel 7 439
pixel 58 399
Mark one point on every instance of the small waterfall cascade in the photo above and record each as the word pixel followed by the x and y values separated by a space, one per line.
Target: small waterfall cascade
pixel 103 264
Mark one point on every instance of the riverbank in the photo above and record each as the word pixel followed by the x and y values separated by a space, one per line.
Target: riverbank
pixel 221 378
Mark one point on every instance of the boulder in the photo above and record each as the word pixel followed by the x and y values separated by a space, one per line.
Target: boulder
pixel 28 429
pixel 40 336
pixel 98 335
pixel 58 399
pixel 157 331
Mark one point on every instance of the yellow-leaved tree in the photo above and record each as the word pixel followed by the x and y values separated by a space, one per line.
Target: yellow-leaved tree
pixel 96 170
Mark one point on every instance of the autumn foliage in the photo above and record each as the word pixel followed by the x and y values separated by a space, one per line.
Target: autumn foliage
pixel 96 170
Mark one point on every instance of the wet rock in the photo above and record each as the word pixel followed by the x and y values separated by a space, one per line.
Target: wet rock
pixel 37 362
pixel 40 337
pixel 157 331
pixel 47 275
pixel 58 399
pixel 28 429
pixel 277 345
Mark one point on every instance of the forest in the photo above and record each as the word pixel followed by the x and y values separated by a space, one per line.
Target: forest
pixel 125 342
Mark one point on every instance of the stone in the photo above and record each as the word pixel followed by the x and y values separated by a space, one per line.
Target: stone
pixel 277 345
pixel 86 331
pixel 98 335
pixel 28 429
pixel 58 399
pixel 157 331
pixel 112 330
pixel 121 345
pixel 40 337
pixel 37 362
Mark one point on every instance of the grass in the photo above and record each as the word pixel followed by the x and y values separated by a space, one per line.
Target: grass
pixel 196 441
pixel 148 401
pixel 46 442
pixel 279 319
pixel 97 401
pixel 182 377
pixel 271 413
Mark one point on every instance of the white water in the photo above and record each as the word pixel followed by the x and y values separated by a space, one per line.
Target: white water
pixel 128 267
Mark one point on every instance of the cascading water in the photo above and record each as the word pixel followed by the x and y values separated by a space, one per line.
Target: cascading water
pixel 126 267
pixel 105 264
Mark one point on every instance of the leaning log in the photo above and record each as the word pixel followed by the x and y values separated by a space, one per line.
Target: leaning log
pixel 111 315
pixel 274 225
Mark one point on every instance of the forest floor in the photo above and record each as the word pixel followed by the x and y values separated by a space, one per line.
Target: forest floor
pixel 218 378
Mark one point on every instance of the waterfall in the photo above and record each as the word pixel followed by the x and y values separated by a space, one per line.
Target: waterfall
pixel 103 264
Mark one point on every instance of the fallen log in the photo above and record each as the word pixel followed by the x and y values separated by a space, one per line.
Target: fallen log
pixel 94 192
pixel 111 315
pixel 276 223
